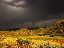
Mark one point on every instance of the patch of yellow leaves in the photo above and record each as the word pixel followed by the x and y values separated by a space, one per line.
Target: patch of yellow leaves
pixel 10 41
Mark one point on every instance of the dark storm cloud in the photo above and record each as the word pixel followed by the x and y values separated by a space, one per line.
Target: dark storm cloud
pixel 19 3
pixel 13 16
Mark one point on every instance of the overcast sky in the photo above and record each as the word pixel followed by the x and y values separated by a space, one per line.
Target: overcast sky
pixel 30 13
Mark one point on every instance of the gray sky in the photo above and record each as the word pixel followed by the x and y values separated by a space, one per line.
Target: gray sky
pixel 30 13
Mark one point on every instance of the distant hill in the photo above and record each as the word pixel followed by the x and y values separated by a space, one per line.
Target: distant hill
pixel 14 29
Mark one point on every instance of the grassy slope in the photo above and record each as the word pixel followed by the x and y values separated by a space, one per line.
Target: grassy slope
pixel 8 37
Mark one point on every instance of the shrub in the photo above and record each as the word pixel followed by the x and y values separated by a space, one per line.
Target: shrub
pixel 22 41
pixel 51 35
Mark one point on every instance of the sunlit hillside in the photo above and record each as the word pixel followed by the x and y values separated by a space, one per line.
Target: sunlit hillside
pixel 50 37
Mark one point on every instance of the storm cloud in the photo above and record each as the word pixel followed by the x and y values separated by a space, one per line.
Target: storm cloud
pixel 30 13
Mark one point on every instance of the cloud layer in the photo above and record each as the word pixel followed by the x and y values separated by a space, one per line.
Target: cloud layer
pixel 38 14
pixel 19 3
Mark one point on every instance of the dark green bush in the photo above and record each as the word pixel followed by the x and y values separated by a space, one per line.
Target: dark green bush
pixel 22 41
pixel 51 35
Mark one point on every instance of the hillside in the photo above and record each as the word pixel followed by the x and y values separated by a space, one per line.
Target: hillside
pixel 50 37
pixel 57 28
